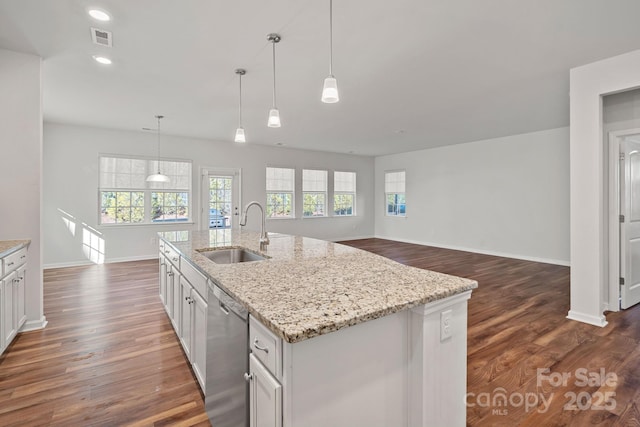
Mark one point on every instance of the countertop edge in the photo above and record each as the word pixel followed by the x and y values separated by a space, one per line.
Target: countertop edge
pixel 309 333
pixel 16 246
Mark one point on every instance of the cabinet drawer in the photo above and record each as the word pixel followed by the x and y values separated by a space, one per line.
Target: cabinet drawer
pixel 266 347
pixel 15 260
pixel 172 255
pixel 197 280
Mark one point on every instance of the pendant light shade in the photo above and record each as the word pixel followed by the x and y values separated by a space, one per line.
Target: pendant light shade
pixel 330 91
pixel 240 135
pixel 274 118
pixel 330 88
pixel 274 114
pixel 240 131
pixel 158 177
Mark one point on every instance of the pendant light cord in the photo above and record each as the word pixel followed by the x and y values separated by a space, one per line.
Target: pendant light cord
pixel 273 42
pixel 158 117
pixel 240 103
pixel 331 38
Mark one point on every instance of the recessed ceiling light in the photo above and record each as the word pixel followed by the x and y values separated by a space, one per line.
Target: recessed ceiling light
pixel 99 15
pixel 102 60
pixel 280 144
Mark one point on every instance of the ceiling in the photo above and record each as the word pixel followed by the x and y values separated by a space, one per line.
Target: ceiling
pixel 412 74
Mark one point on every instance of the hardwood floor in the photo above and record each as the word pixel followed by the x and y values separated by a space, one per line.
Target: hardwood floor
pixel 517 325
pixel 109 356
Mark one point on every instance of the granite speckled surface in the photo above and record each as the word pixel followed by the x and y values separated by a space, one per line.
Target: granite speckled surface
pixel 310 287
pixel 9 246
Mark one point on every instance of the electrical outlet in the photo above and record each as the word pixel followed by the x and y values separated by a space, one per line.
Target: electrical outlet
pixel 445 325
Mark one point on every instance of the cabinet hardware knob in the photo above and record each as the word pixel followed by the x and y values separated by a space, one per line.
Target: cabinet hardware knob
pixel 10 264
pixel 186 298
pixel 175 258
pixel 248 377
pixel 167 251
pixel 257 345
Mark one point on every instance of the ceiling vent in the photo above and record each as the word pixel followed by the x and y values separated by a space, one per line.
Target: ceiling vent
pixel 102 37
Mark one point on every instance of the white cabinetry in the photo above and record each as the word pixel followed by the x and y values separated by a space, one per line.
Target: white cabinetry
pixel 13 270
pixel 9 329
pixel 183 291
pixel 265 396
pixel 265 374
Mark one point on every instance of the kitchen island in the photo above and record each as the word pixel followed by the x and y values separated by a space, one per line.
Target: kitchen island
pixel 354 338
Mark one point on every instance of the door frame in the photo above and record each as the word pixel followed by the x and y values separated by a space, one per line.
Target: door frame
pixel 205 172
pixel 613 280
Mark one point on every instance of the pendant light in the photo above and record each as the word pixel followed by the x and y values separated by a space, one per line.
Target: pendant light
pixel 274 114
pixel 240 131
pixel 330 88
pixel 158 177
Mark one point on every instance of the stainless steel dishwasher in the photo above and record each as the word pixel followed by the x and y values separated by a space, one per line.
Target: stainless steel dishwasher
pixel 227 392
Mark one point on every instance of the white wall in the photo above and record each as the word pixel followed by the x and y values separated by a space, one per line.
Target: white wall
pixel 20 167
pixel 71 184
pixel 505 196
pixel 589 205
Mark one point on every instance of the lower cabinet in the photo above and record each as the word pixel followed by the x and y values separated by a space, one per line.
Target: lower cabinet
pixel 265 396
pixel 9 326
pixel 186 317
pixel 13 271
pixel 199 341
pixel 186 307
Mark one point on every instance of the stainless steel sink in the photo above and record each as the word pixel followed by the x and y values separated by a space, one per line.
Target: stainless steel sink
pixel 232 256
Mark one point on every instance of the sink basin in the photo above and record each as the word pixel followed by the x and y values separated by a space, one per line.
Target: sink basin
pixel 232 256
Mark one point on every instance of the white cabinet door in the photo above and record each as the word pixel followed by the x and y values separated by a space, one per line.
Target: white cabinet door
pixel 168 300
pixel 8 309
pixel 177 301
pixel 186 317
pixel 199 338
pixel 265 396
pixel 163 278
pixel 19 295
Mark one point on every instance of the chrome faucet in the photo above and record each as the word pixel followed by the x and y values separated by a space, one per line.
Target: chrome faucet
pixel 264 236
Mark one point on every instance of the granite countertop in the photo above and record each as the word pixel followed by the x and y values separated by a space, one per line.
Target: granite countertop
pixel 9 246
pixel 310 287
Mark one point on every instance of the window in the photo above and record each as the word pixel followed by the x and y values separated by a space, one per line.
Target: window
pixel 314 193
pixel 394 186
pixel 127 198
pixel 280 188
pixel 344 193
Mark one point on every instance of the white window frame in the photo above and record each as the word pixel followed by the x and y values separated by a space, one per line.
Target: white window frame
pixel 291 193
pixel 345 193
pixel 147 189
pixel 396 189
pixel 325 193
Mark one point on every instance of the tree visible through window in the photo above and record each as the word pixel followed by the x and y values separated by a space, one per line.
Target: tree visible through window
pixel 394 188
pixel 127 198
pixel 280 190
pixel 344 193
pixel 314 193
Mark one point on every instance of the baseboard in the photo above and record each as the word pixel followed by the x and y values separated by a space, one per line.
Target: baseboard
pixel 480 251
pixel 352 238
pixel 108 261
pixel 587 318
pixel 34 325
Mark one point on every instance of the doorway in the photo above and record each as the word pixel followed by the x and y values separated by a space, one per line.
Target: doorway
pixel 220 198
pixel 624 219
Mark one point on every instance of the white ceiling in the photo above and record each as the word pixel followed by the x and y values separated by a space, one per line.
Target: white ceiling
pixel 412 73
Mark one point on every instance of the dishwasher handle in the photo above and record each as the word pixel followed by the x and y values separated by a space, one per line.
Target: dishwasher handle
pixel 223 308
